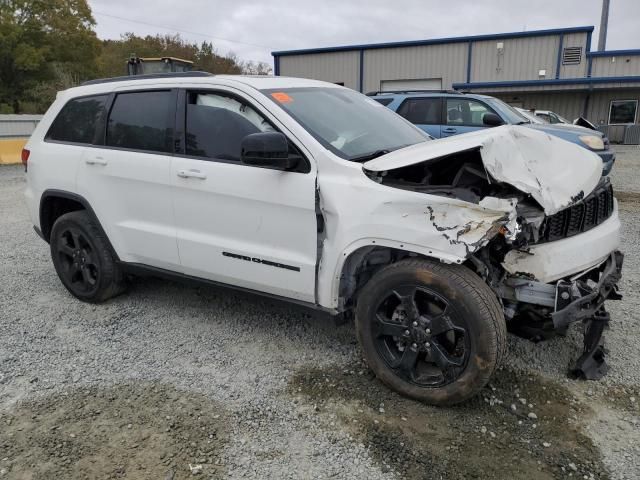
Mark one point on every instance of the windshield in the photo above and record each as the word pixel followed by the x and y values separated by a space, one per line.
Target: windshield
pixel 513 116
pixel 529 116
pixel 351 125
pixel 559 118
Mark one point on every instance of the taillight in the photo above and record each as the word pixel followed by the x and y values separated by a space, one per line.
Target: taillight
pixel 25 158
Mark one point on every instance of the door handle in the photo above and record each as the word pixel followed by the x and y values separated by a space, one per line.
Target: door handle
pixel 191 174
pixel 450 130
pixel 96 161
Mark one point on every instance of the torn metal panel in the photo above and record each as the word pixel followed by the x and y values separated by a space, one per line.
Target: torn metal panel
pixel 361 213
pixel 553 171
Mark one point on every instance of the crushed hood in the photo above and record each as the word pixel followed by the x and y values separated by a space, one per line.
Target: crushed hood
pixel 556 173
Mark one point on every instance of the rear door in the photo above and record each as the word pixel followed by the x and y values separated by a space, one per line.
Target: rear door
pixel 238 224
pixel 464 115
pixel 127 177
pixel 424 112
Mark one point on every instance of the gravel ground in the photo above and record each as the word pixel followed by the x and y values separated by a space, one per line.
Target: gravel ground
pixel 168 381
pixel 626 170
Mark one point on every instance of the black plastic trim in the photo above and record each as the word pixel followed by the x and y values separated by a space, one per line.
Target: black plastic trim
pixel 150 76
pixel 142 270
pixel 39 232
pixel 82 201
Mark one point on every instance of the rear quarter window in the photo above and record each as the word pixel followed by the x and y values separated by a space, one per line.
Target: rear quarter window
pixel 78 120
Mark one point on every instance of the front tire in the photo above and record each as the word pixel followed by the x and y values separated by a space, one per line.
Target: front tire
pixel 430 331
pixel 83 259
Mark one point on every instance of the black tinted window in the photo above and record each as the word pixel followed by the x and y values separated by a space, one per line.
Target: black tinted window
pixel 77 120
pixel 422 111
pixel 141 121
pixel 216 125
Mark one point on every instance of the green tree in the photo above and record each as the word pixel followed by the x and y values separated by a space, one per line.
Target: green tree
pixel 44 43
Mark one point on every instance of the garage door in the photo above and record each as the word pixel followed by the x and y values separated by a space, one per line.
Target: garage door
pixel 414 84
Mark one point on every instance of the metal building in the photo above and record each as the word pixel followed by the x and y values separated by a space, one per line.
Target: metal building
pixel 544 69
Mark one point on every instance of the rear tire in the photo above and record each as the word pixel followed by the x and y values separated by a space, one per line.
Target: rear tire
pixel 430 331
pixel 83 258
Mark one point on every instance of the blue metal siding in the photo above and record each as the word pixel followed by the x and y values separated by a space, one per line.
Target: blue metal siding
pixel 559 60
pixel 436 41
pixel 560 81
pixel 615 53
pixel 469 60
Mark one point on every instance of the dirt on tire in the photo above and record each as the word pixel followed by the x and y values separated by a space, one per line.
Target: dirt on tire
pixel 147 431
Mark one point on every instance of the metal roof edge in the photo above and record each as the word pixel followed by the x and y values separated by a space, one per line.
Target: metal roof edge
pixel 614 53
pixel 559 81
pixel 435 41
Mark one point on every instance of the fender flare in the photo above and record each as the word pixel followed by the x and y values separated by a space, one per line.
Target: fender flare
pixel 49 193
pixel 428 252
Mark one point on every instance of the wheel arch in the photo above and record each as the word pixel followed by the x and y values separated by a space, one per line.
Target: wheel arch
pixel 362 259
pixel 55 203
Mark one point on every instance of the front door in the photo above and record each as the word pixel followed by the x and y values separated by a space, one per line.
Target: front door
pixel 237 224
pixel 463 115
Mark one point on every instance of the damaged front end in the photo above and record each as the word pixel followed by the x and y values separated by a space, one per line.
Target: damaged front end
pixel 532 216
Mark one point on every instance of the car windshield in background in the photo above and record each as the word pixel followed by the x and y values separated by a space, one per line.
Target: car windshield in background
pixel 351 125
pixel 506 111
pixel 530 116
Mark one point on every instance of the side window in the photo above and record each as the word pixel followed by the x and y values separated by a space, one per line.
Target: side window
pixel 142 121
pixel 78 119
pixel 217 123
pixel 422 111
pixel 461 111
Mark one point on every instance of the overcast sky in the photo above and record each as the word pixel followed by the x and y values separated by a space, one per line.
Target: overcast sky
pixel 254 28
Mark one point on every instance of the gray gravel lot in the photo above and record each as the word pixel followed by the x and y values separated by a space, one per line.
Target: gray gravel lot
pixel 626 170
pixel 280 392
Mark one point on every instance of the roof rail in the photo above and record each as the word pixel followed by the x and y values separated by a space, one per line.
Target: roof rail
pixel 149 76
pixel 371 94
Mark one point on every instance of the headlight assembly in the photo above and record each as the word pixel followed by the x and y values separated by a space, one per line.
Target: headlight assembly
pixel 593 142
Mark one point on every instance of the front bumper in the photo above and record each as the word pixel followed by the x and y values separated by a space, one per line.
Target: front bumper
pixel 608 158
pixel 551 261
pixel 580 298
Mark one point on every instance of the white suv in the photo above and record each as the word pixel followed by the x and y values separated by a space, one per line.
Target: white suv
pixel 314 193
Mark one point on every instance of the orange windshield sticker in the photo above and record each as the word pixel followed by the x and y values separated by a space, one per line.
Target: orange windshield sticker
pixel 282 97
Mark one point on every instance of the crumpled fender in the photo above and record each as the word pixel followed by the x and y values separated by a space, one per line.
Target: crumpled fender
pixel 556 173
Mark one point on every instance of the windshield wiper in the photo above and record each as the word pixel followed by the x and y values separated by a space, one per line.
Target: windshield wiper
pixel 523 122
pixel 370 156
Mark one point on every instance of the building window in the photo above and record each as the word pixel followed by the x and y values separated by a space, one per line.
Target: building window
pixel 622 111
pixel 571 55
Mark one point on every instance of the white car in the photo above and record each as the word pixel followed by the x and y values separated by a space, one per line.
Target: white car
pixel 313 193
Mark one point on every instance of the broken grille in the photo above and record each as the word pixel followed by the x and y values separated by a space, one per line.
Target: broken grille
pixel 584 215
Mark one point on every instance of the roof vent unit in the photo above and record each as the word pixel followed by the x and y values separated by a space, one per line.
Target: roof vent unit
pixel 571 55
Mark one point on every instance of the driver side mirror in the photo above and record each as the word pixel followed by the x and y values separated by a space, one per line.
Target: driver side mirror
pixel 492 120
pixel 268 149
